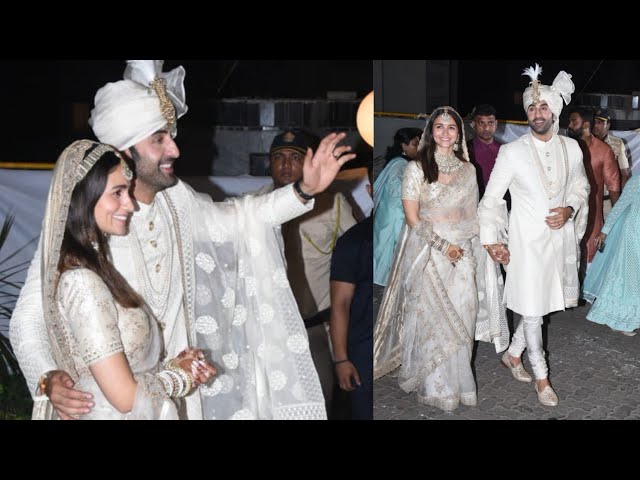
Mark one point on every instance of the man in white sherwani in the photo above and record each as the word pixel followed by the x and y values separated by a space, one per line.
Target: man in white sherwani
pixel 549 189
pixel 212 273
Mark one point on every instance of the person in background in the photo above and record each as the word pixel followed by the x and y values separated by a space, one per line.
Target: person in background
pixel 352 314
pixel 483 148
pixel 602 170
pixel 612 283
pixel 309 241
pixel 601 126
pixel 387 204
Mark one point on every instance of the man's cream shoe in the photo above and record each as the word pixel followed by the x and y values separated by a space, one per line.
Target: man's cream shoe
pixel 547 396
pixel 518 371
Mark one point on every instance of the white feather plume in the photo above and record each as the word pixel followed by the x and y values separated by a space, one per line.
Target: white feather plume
pixel 533 72
pixel 143 71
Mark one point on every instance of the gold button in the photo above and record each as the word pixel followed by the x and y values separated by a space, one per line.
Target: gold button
pixel 153 243
pixel 151 226
pixel 157 268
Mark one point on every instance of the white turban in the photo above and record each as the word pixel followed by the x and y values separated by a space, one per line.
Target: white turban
pixel 562 88
pixel 128 111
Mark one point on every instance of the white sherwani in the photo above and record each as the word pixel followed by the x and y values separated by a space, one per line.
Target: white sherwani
pixel 543 271
pixel 213 276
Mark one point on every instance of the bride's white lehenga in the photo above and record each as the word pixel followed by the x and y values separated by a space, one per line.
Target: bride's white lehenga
pixel 83 321
pixel 98 327
pixel 431 310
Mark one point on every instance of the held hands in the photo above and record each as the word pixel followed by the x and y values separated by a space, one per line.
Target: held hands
pixel 558 217
pixel 192 361
pixel 454 253
pixel 498 253
pixel 321 168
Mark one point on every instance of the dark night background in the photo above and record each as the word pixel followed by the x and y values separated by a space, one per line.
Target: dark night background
pixel 496 81
pixel 40 96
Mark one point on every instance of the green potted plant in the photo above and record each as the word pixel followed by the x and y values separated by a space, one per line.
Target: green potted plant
pixel 15 401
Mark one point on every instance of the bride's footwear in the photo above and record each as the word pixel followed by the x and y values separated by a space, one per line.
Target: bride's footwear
pixel 518 371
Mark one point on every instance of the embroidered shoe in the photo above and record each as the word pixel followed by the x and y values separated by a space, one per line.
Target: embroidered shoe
pixel 518 371
pixel 547 396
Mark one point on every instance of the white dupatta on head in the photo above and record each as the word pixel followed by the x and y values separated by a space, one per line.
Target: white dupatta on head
pixel 71 167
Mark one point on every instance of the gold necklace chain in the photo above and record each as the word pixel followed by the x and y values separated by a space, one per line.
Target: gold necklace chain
pixel 333 239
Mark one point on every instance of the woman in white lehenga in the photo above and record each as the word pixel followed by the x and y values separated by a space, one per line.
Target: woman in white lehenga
pixel 442 293
pixel 101 330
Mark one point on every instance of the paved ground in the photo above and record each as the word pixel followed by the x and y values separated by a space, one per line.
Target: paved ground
pixel 594 371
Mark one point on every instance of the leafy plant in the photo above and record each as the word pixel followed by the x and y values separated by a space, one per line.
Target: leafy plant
pixel 15 401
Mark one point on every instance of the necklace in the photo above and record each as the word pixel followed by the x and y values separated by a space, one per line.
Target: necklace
pixel 157 289
pixel 447 163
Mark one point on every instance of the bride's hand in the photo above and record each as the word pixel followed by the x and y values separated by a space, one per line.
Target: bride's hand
pixel 454 253
pixel 193 361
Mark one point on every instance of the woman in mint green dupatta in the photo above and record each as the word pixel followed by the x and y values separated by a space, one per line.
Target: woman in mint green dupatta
pixel 612 283
pixel 387 204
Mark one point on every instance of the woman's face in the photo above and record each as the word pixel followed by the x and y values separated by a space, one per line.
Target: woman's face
pixel 445 131
pixel 114 208
pixel 411 149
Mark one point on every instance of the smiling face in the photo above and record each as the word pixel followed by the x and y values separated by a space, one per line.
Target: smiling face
pixel 445 133
pixel 114 207
pixel 540 119
pixel 154 157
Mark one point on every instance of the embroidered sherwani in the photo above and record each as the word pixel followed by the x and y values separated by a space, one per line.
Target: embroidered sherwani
pixel 216 286
pixel 542 275
pixel 308 244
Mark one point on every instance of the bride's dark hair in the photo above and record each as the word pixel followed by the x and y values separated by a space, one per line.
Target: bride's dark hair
pixel 82 233
pixel 428 144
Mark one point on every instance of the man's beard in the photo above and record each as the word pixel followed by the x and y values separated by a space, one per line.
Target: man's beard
pixel 546 126
pixel 575 134
pixel 149 174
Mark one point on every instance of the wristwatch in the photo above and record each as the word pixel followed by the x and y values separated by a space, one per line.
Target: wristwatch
pixel 573 212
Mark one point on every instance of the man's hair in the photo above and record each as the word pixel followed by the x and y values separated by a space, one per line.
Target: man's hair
pixel 484 110
pixel 586 114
